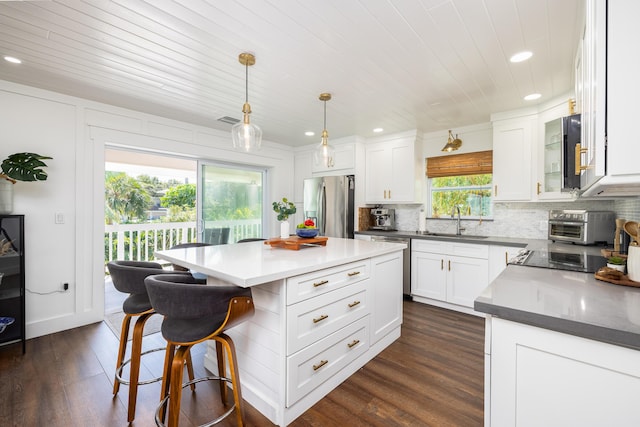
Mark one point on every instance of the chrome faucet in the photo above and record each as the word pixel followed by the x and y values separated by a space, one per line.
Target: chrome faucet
pixel 459 229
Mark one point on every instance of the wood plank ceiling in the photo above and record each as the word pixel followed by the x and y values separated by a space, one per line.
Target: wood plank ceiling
pixel 395 64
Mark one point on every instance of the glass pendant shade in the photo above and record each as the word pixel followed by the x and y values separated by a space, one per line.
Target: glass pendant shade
pixel 324 154
pixel 246 136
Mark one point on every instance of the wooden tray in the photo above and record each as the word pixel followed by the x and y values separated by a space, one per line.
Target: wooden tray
pixel 624 280
pixel 296 242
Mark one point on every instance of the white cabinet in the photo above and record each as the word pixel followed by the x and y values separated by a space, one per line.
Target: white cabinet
pixel 386 294
pixel 540 377
pixel 593 88
pixel 549 177
pixel 448 274
pixel 611 153
pixel 394 170
pixel 499 256
pixel 513 158
pixel 344 161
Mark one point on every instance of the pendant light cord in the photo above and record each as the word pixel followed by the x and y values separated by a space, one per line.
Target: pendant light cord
pixel 246 83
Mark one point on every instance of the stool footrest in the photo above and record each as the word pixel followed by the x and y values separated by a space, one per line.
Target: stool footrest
pixel 126 362
pixel 163 402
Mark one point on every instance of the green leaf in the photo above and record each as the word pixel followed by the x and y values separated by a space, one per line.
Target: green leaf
pixel 25 167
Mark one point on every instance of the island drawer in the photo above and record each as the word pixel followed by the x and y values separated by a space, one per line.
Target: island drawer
pixel 313 319
pixel 314 365
pixel 305 286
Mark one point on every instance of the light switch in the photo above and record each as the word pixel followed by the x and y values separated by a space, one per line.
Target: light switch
pixel 59 218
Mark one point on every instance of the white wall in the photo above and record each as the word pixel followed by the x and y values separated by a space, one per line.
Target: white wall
pixel 74 132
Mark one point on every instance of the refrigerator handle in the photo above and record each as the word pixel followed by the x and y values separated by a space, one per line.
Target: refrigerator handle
pixel 322 214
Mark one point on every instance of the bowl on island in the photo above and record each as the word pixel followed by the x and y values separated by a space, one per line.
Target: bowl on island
pixel 306 233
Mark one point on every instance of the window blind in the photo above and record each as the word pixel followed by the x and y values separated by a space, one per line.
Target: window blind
pixel 460 164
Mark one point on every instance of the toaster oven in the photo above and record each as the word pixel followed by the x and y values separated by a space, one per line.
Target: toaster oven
pixel 582 227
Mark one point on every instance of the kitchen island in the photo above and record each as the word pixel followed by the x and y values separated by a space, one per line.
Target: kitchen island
pixel 322 312
pixel 562 348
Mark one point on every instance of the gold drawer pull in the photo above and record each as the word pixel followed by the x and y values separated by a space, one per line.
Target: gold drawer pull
pixel 353 273
pixel 320 365
pixel 321 318
pixel 353 343
pixel 324 282
pixel 353 304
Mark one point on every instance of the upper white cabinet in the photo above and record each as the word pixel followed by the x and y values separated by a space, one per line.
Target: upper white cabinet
pixel 592 91
pixel 394 170
pixel 549 173
pixel 609 73
pixel 512 158
pixel 344 161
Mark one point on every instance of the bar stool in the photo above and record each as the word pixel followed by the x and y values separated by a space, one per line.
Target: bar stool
pixel 193 314
pixel 128 277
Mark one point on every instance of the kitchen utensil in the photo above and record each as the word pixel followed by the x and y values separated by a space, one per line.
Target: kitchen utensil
pixel 631 227
pixel 616 240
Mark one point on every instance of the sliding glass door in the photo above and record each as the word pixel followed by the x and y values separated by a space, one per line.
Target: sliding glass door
pixel 230 202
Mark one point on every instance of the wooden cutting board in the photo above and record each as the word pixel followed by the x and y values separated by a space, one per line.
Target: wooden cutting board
pixel 624 280
pixel 295 242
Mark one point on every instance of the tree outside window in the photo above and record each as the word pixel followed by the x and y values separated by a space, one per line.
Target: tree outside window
pixel 472 193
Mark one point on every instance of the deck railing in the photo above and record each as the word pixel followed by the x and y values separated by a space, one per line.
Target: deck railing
pixel 138 242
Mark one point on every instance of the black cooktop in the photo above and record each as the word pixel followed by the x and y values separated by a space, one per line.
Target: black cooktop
pixel 581 262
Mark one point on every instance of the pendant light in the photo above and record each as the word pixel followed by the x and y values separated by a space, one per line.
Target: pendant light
pixel 246 136
pixel 324 154
pixel 452 144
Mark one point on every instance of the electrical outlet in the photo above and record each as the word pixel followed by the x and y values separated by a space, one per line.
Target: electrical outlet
pixel 59 218
pixel 543 225
pixel 65 286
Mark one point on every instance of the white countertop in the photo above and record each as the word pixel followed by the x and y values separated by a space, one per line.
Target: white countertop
pixel 254 263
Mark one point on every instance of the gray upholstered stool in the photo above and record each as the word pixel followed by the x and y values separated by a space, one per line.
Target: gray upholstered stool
pixel 192 314
pixel 128 277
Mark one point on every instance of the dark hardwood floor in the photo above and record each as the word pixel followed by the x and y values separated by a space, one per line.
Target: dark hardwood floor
pixel 431 376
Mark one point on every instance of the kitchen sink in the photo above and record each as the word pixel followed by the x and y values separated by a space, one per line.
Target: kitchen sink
pixel 460 236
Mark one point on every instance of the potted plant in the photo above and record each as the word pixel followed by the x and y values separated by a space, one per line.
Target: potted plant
pixel 616 262
pixel 284 209
pixel 19 167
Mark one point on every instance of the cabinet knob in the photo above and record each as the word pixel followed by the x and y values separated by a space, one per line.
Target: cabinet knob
pixel 538 189
pixel 495 190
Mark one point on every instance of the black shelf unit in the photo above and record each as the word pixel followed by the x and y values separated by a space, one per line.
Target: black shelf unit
pixel 12 296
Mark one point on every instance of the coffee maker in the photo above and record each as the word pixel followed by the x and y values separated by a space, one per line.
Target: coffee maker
pixel 383 219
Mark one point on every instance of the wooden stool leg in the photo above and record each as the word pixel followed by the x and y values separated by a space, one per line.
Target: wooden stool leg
pixel 124 334
pixel 225 340
pixel 175 393
pixel 134 373
pixel 166 377
pixel 222 371
pixel 189 364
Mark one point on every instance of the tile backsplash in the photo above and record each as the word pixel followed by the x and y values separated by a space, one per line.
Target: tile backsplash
pixel 527 220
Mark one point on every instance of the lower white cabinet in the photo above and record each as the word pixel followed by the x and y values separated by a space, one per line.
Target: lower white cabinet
pixel 384 291
pixel 540 377
pixel 448 272
pixel 499 256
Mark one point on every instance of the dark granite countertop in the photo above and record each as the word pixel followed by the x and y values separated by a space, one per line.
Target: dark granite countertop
pixel 564 301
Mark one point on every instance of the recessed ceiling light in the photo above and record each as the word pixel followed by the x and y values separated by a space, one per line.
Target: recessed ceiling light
pixel 12 60
pixel 309 133
pixel 521 56
pixel 532 96
pixel 378 130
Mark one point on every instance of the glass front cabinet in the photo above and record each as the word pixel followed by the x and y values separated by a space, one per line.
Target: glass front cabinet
pixel 12 316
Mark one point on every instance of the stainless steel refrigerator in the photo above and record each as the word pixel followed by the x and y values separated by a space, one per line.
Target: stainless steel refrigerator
pixel 329 201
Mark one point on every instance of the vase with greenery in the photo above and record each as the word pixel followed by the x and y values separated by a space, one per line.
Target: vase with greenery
pixel 19 167
pixel 284 209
